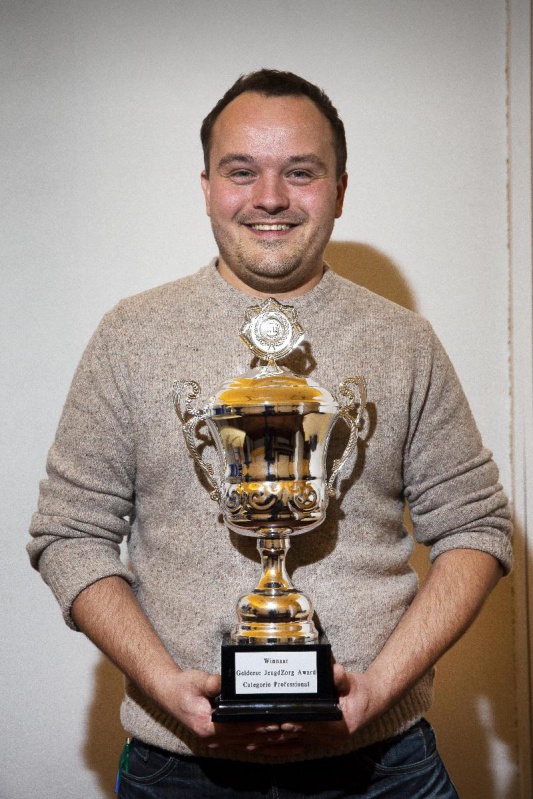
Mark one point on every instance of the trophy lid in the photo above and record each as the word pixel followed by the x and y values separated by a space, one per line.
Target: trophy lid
pixel 271 331
pixel 282 391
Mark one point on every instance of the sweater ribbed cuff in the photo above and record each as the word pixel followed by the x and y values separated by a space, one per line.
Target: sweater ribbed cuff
pixel 88 564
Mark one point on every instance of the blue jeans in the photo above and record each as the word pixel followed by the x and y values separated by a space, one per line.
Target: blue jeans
pixel 407 766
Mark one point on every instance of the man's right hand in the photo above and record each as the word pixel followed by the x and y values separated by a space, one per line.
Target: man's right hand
pixel 188 696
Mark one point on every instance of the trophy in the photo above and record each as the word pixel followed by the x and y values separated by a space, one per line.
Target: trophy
pixel 271 430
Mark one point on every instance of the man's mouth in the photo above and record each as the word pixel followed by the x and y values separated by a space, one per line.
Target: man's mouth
pixel 271 227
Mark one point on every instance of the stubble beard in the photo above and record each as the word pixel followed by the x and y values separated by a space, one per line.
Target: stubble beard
pixel 267 269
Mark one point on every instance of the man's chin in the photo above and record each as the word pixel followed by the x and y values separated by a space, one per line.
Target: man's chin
pixel 277 281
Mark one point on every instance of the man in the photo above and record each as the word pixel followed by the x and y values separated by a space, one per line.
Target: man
pixel 274 182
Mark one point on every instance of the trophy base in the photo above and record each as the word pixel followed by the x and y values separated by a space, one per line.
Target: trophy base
pixel 277 683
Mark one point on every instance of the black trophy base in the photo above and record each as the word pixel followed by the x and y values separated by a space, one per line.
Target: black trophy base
pixel 277 683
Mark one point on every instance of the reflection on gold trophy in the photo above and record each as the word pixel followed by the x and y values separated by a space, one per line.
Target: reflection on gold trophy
pixel 271 429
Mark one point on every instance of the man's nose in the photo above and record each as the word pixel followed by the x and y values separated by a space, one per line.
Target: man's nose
pixel 270 194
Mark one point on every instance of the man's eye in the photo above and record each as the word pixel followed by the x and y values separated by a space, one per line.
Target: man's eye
pixel 300 174
pixel 241 174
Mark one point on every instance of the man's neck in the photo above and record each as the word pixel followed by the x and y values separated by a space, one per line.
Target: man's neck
pixel 230 277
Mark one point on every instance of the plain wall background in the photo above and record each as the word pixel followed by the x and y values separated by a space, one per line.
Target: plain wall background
pixel 102 104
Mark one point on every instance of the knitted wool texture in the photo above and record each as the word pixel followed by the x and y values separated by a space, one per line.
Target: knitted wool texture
pixel 119 447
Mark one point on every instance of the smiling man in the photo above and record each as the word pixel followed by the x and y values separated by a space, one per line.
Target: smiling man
pixel 273 192
pixel 274 183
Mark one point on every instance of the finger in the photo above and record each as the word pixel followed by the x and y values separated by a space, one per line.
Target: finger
pixel 249 743
pixel 244 729
pixel 239 735
pixel 268 743
pixel 320 730
pixel 289 726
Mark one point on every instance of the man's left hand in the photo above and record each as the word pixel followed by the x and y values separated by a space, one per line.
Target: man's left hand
pixel 358 705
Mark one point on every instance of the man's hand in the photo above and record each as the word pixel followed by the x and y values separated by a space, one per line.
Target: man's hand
pixel 360 703
pixel 188 696
pixel 357 700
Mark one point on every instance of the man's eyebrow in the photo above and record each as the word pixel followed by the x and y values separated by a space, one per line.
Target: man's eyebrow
pixel 293 160
pixel 232 158
pixel 308 158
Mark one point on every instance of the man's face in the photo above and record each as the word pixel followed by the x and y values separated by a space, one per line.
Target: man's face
pixel 272 191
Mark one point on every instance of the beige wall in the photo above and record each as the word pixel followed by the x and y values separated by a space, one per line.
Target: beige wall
pixel 102 107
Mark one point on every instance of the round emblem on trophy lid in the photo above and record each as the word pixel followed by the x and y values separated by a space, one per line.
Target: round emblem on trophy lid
pixel 271 330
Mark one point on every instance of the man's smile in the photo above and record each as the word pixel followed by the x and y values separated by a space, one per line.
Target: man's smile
pixel 271 227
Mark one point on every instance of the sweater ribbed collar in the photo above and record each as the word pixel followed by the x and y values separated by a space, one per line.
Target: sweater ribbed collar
pixel 222 292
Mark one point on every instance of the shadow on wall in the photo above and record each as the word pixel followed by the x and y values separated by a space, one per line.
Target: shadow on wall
pixel 473 724
pixel 473 712
pixel 368 267
pixel 105 735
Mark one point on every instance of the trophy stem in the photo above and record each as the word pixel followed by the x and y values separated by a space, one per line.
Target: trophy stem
pixel 276 612
pixel 273 552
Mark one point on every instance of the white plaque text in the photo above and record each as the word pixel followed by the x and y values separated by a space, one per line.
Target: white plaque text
pixel 277 673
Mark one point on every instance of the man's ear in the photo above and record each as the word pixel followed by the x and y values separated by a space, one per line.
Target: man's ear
pixel 206 190
pixel 342 184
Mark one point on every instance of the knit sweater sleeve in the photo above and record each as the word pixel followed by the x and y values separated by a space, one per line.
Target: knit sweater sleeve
pixel 85 503
pixel 451 482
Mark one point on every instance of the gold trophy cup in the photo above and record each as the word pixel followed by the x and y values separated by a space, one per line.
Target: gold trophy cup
pixel 271 429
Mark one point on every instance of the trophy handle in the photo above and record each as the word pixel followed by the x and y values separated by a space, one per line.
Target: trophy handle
pixel 354 423
pixel 183 395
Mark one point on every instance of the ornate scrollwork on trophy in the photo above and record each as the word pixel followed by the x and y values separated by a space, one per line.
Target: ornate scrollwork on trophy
pixel 260 497
pixel 303 499
pixel 297 500
pixel 233 499
pixel 354 423
pixel 184 393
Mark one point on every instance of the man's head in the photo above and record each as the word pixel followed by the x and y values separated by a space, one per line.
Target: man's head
pixel 274 83
pixel 274 184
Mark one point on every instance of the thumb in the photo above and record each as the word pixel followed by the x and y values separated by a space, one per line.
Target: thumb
pixel 341 680
pixel 212 685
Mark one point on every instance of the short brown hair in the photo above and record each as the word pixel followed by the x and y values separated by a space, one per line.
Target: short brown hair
pixel 274 83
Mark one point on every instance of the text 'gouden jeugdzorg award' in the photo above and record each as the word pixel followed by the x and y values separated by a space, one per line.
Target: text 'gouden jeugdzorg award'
pixel 271 429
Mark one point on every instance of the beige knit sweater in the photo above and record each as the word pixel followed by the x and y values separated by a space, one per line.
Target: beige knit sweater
pixel 119 456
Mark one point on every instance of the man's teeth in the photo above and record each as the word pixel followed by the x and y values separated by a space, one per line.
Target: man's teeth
pixel 271 227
